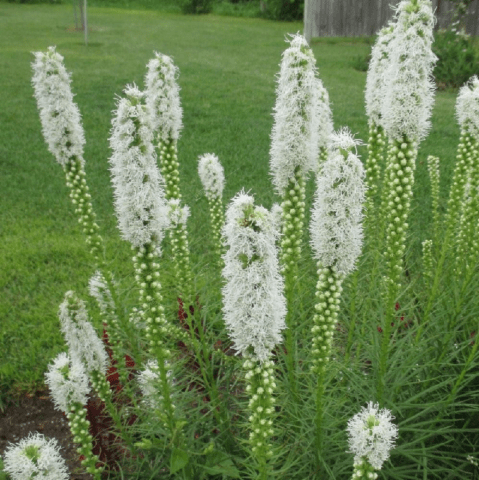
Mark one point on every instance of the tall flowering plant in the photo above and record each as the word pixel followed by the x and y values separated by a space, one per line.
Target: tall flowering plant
pixel 254 311
pixel 376 81
pixel 409 96
pixel 336 239
pixel 142 214
pixel 162 98
pixel 294 153
pixel 212 177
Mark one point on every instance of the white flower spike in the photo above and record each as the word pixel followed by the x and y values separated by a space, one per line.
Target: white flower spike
pixel 324 115
pixel 59 115
pixel 336 229
pixel 467 107
pixel 139 187
pixel 212 175
pixel 68 382
pixel 372 435
pixel 376 79
pixel 80 336
pixel 254 304
pixel 35 457
pixel 294 139
pixel 409 90
pixel 163 97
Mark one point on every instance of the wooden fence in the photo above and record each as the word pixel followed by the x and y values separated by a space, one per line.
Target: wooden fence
pixel 353 18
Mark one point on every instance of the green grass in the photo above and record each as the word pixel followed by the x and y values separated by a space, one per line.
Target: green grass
pixel 228 67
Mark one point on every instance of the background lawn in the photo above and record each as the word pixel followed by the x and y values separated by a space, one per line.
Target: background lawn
pixel 228 67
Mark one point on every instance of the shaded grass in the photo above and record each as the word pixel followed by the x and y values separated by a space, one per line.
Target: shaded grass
pixel 228 67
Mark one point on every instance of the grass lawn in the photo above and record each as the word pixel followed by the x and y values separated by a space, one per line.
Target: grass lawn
pixel 228 67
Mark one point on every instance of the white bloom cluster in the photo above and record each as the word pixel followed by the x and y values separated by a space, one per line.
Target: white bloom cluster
pixel 68 382
pixel 294 139
pixel 177 214
pixel 139 187
pixel 336 229
pixel 35 457
pixel 324 115
pixel 376 78
pixel 82 340
pixel 467 107
pixel 372 435
pixel 59 115
pixel 99 290
pixel 409 92
pixel 149 382
pixel 212 175
pixel 163 97
pixel 254 304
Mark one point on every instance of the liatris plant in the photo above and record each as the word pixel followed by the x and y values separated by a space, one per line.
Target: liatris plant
pixel 35 458
pixel 69 388
pixel 143 216
pixel 162 95
pixel 293 153
pixel 163 100
pixel 83 342
pixel 63 132
pixel 372 435
pixel 254 311
pixel 409 96
pixel 336 239
pixel 467 109
pixel 375 89
pixel 212 177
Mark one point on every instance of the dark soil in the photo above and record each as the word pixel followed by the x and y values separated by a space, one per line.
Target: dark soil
pixel 35 413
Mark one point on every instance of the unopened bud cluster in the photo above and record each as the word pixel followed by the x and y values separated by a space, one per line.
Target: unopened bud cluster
pixel 260 386
pixel 151 312
pixel 399 183
pixel 434 176
pixel 427 260
pixel 292 228
pixel 376 144
pixel 79 426
pixel 80 197
pixel 328 299
pixel 364 471
pixel 167 155
pixel 179 248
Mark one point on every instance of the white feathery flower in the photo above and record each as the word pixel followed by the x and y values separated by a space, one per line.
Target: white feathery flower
pixel 35 457
pixel 372 435
pixel 177 214
pixel 294 139
pixel 277 216
pixel 336 229
pixel 467 107
pixel 80 336
pixel 324 115
pixel 212 175
pixel 163 97
pixel 149 382
pixel 376 77
pixel 68 382
pixel 253 301
pixel 99 290
pixel 59 115
pixel 409 89
pixel 138 185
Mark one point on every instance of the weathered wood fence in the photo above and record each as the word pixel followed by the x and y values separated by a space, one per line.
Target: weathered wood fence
pixel 352 18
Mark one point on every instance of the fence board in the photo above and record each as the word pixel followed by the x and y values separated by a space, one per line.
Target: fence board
pixel 349 18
